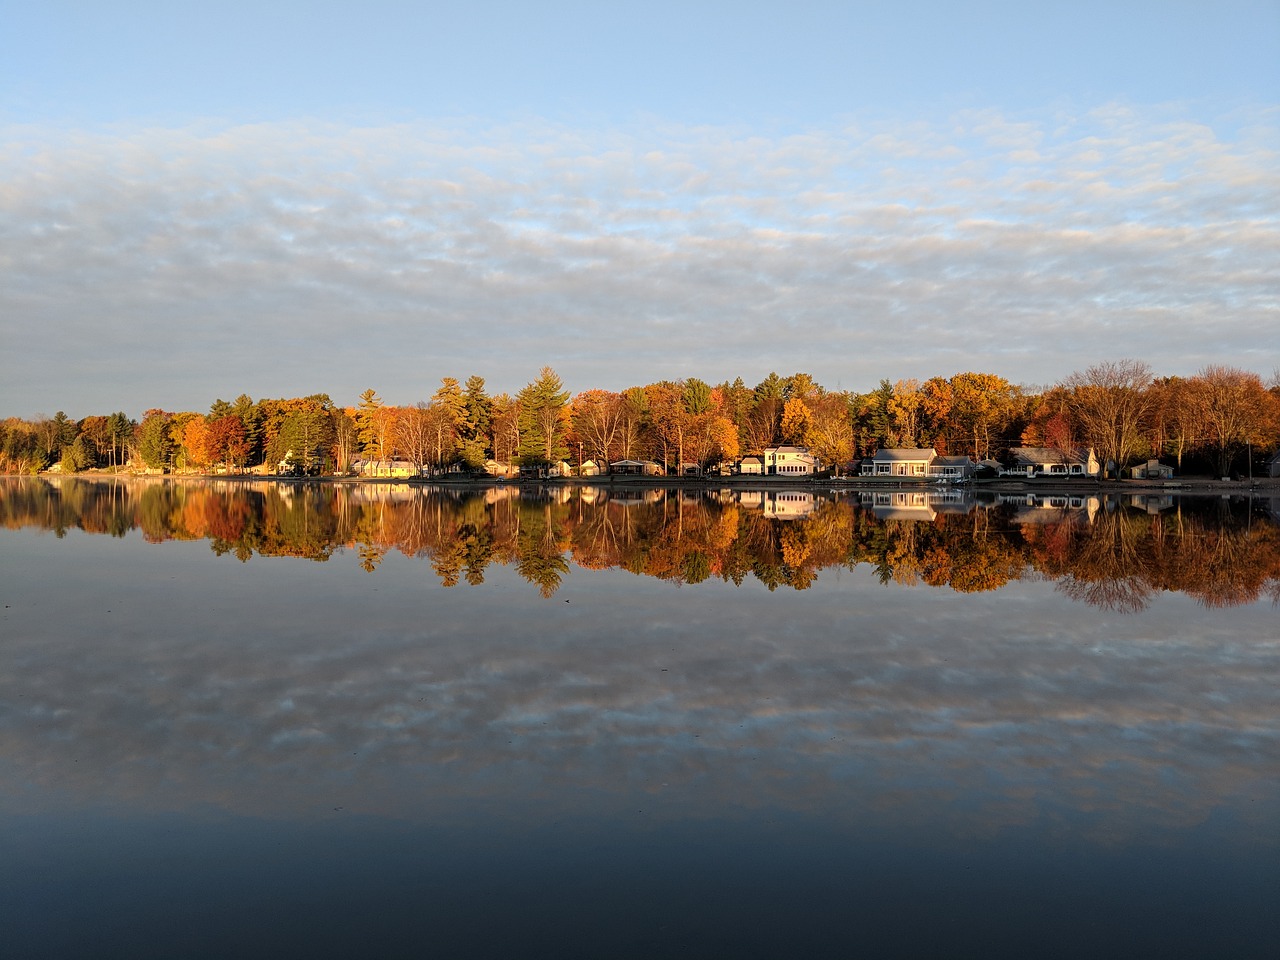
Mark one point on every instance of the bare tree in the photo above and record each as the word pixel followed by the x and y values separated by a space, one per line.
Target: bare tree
pixel 414 434
pixel 1237 409
pixel 1110 402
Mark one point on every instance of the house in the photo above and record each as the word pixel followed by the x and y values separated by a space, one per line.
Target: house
pixel 1152 470
pixel 496 469
pixel 386 468
pixel 950 469
pixel 899 462
pixel 790 462
pixel 1273 466
pixel 1052 462
pixel 589 469
pixel 636 468
pixel 751 466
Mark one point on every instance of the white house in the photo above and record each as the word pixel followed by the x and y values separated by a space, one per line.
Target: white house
pixel 899 462
pixel 1052 462
pixel 386 468
pixel 751 466
pixel 790 462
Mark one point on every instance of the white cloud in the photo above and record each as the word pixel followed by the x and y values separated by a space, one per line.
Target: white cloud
pixel 294 257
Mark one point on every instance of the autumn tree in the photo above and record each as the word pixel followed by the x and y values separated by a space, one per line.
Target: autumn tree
pixel 796 421
pixel 830 434
pixel 375 427
pixel 904 413
pixel 506 428
pixel 597 421
pixel 1110 402
pixel 1177 421
pixel 1237 411
pixel 415 433
pixel 981 403
pixel 635 418
pixel 668 420
pixel 735 401
pixel 227 442
pixel 197 444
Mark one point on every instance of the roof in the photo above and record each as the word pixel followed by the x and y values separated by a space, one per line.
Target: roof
pixel 905 453
pixel 755 460
pixel 787 449
pixel 952 461
pixel 627 463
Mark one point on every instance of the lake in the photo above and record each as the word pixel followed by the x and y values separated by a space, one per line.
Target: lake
pixel 259 720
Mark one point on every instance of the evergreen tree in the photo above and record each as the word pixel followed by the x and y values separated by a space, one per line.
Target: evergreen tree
pixel 476 447
pixel 543 408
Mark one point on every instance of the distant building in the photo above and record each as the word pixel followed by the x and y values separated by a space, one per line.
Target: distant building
pixel 751 466
pixel 636 468
pixel 790 462
pixel 950 468
pixel 385 468
pixel 899 462
pixel 1032 462
pixel 1152 470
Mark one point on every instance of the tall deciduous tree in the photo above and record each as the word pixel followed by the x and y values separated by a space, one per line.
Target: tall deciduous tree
pixel 981 404
pixel 1110 402
pixel 227 441
pixel 831 430
pixel 1237 411
pixel 597 419
pixel 506 428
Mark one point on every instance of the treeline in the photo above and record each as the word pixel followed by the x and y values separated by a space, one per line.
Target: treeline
pixel 1119 557
pixel 1120 409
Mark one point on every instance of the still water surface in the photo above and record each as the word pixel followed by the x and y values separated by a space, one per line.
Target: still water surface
pixel 261 721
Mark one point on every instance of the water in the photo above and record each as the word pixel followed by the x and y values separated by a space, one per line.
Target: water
pixel 257 721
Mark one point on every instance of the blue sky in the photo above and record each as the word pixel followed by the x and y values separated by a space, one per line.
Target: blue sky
pixel 387 193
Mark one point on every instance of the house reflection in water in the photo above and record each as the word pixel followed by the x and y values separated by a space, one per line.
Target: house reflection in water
pixel 921 505
pixel 1050 508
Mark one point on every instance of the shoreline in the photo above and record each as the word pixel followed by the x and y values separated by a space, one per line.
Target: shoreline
pixel 1186 485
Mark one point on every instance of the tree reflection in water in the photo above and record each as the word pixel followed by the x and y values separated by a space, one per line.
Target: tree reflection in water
pixel 1114 552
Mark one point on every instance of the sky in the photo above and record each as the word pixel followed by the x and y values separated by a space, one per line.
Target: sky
pixel 202 200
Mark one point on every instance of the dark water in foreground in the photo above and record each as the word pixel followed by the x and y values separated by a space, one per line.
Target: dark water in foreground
pixel 645 725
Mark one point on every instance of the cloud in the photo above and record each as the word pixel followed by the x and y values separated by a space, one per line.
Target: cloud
pixel 233 685
pixel 166 266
